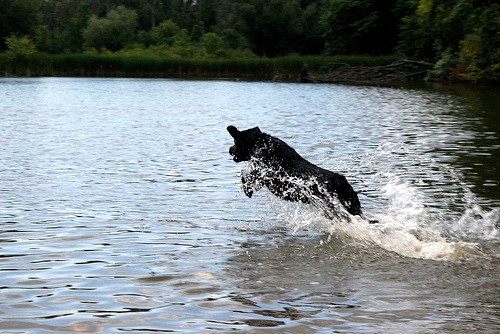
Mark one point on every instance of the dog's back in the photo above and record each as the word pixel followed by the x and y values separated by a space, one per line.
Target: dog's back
pixel 320 181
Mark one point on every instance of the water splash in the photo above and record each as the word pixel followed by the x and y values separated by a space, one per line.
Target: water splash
pixel 410 228
pixel 415 219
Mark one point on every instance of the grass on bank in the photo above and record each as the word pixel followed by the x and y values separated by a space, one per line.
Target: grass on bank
pixel 116 65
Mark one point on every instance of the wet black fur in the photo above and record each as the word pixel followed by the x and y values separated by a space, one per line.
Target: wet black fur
pixel 277 166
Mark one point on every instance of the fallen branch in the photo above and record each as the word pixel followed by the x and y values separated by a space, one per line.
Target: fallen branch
pixel 399 71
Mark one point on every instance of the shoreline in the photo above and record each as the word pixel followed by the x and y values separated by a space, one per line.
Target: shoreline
pixel 294 68
pixel 287 68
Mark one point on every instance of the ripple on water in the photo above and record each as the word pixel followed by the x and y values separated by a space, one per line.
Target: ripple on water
pixel 121 211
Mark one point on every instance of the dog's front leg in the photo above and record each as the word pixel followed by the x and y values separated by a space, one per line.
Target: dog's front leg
pixel 246 184
pixel 250 180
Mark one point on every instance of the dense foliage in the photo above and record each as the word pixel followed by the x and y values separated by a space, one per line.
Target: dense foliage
pixel 461 36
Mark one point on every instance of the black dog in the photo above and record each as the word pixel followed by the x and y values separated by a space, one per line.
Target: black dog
pixel 274 164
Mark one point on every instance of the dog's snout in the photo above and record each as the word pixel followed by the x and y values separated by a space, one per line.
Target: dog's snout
pixel 232 152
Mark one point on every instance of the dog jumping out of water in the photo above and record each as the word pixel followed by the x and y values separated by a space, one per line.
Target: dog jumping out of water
pixel 274 164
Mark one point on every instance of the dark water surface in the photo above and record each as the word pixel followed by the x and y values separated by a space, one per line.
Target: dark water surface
pixel 121 210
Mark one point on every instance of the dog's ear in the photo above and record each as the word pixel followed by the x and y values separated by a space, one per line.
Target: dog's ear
pixel 256 129
pixel 235 133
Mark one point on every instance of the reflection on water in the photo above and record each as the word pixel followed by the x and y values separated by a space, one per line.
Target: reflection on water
pixel 120 209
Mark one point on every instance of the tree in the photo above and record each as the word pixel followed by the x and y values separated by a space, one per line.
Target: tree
pixel 152 7
pixel 361 27
pixel 164 33
pixel 461 36
pixel 212 43
pixel 197 32
pixel 113 32
pixel 480 49
pixel 277 27
pixel 234 40
pixel 416 37
pixel 183 13
pixel 20 47
pixel 206 13
pixel 312 39
pixel 18 17
pixel 76 25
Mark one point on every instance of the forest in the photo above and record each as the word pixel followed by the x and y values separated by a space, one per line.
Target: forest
pixel 460 37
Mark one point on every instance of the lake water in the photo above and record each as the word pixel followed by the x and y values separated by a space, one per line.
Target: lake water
pixel 121 209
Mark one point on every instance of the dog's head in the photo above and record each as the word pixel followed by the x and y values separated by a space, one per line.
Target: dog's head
pixel 245 143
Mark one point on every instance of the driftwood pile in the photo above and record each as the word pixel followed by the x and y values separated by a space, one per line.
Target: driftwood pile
pixel 399 71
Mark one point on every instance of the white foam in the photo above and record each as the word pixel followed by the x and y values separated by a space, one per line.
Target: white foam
pixel 424 207
pixel 389 234
pixel 406 225
pixel 476 222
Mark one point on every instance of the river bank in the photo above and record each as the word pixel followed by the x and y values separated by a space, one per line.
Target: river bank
pixel 287 68
pixel 354 69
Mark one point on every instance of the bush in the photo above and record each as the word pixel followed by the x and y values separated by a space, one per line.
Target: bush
pixel 20 47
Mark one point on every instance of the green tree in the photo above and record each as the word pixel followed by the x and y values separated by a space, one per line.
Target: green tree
pixel 112 32
pixel 151 10
pixel 206 13
pixel 360 26
pixel 278 27
pixel 183 46
pixel 164 33
pixel 234 40
pixel 183 12
pixel 312 40
pixel 64 21
pixel 416 37
pixel 20 47
pixel 18 17
pixel 76 25
pixel 212 43
pixel 480 49
pixel 433 27
pixel 43 38
pixel 197 32
pixel 461 36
